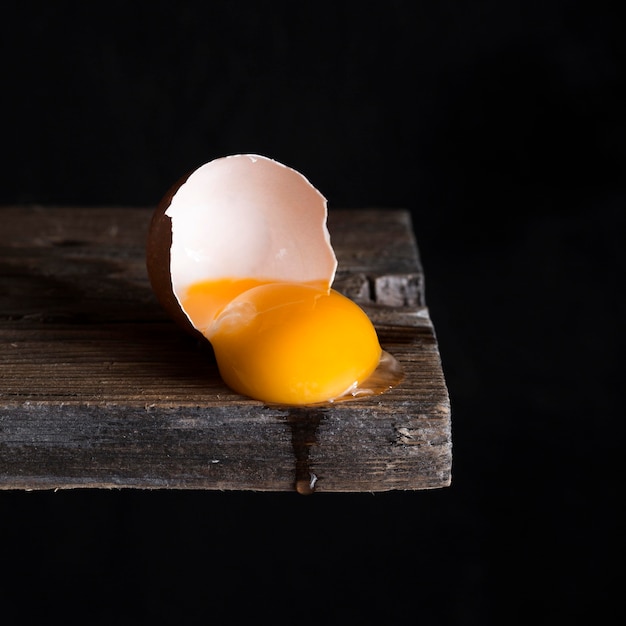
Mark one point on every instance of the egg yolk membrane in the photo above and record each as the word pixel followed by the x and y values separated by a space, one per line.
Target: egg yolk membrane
pixel 285 343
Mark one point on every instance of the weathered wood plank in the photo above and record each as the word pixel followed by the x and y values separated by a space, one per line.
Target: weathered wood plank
pixel 99 389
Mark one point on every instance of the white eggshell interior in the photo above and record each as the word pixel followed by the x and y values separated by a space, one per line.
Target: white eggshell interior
pixel 248 216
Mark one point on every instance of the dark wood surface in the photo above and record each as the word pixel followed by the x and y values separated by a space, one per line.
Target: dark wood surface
pixel 98 388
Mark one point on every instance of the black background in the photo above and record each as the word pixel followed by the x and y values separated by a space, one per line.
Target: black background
pixel 500 126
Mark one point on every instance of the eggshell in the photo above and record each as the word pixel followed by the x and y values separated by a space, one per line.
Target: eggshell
pixel 241 216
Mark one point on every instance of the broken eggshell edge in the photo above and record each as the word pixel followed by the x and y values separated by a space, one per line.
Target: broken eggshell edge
pixel 240 216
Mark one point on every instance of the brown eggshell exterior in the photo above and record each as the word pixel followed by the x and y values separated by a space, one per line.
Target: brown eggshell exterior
pixel 158 247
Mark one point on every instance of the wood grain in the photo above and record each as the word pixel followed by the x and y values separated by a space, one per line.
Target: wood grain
pixel 98 388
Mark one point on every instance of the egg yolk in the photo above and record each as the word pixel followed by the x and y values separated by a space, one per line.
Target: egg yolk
pixel 285 343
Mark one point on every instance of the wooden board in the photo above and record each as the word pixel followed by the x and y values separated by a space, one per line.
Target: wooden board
pixel 98 388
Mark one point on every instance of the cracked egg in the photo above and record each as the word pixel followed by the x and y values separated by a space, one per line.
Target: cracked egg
pixel 239 252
